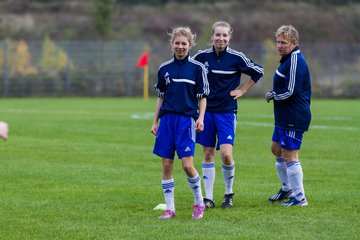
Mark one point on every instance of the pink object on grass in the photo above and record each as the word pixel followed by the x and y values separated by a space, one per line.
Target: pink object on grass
pixel 4 130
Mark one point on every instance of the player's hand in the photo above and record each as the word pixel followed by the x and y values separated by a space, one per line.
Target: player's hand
pixel 237 93
pixel 154 129
pixel 199 126
pixel 269 96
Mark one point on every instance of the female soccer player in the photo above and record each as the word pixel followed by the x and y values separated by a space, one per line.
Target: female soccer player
pixel 291 94
pixel 182 88
pixel 224 66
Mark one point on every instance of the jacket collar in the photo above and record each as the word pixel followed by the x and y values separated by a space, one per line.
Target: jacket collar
pixel 221 53
pixel 181 61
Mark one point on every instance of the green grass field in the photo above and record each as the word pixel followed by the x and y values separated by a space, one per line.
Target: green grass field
pixel 83 168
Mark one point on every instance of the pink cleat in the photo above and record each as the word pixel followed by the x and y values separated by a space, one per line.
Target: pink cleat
pixel 198 211
pixel 167 214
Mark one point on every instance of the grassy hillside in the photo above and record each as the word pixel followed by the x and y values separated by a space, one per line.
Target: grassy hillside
pixel 252 22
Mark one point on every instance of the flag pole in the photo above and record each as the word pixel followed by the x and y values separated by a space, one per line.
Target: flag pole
pixel 143 62
pixel 146 82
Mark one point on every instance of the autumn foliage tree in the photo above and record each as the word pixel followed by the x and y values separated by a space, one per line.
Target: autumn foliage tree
pixel 53 58
pixel 18 58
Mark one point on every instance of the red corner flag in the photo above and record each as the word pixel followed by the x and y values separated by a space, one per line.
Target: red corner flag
pixel 143 60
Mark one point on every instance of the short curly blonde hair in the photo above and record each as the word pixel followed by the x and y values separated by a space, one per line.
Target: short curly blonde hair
pixel 290 32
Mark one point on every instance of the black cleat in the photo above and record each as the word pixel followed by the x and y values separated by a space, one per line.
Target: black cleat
pixel 281 195
pixel 209 203
pixel 228 201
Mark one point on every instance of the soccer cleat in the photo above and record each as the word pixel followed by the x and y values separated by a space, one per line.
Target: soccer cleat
pixel 281 195
pixel 294 202
pixel 198 211
pixel 167 214
pixel 228 201
pixel 209 203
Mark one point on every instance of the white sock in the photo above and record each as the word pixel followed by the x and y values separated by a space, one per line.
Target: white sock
pixel 208 170
pixel 168 190
pixel 228 174
pixel 195 184
pixel 295 174
pixel 281 170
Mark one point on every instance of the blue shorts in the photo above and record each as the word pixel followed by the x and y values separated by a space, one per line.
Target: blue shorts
pixel 176 133
pixel 288 139
pixel 220 125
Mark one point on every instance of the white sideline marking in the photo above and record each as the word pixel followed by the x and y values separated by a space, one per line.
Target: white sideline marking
pixel 146 116
pixel 335 118
pixel 335 127
pixel 149 115
pixel 45 111
pixel 270 116
pixel 260 124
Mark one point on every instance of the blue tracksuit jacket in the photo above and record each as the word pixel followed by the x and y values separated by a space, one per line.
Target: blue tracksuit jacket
pixel 181 83
pixel 292 92
pixel 224 73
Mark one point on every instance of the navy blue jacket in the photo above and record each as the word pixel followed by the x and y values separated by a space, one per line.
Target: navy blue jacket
pixel 181 83
pixel 224 73
pixel 292 92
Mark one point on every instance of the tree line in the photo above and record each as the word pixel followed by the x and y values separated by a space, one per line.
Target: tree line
pixel 161 2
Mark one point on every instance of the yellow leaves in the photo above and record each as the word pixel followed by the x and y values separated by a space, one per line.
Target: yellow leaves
pixel 23 61
pixel 18 58
pixel 53 58
pixel 270 61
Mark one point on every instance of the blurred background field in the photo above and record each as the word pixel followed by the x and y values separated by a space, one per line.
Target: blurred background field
pixel 90 48
pixel 83 168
